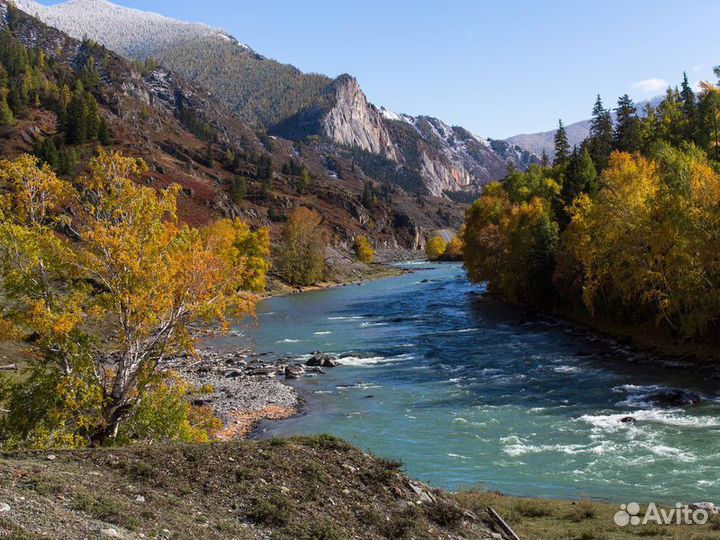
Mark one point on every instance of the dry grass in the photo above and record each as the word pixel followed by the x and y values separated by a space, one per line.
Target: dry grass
pixel 551 519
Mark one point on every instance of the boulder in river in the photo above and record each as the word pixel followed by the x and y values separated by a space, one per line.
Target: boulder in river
pixel 320 359
pixel 672 397
pixel 628 419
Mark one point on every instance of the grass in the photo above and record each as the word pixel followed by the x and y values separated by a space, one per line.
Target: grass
pixel 552 519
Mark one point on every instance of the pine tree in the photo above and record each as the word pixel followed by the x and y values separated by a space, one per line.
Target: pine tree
pixel 103 135
pixel 368 196
pixel 690 110
pixel 544 159
pixel 6 115
pixel 562 147
pixel 600 143
pixel 627 129
pixel 580 176
pixel 238 189
pixel 76 127
pixel 68 161
pixel 209 155
pixel 45 149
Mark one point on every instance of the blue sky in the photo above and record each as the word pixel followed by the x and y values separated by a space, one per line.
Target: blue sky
pixel 496 67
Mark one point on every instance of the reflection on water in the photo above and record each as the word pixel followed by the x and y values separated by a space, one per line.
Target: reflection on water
pixel 469 391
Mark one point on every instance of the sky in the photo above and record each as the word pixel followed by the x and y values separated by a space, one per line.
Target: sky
pixel 498 68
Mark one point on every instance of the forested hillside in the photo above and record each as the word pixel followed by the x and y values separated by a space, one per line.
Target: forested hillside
pixel 623 228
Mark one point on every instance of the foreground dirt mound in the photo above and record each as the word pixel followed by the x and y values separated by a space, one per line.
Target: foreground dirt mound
pixel 309 487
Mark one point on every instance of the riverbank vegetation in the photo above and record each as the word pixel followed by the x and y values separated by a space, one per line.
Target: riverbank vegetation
pixel 623 229
pixel 100 283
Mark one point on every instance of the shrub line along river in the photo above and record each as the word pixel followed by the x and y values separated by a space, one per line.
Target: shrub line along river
pixel 469 391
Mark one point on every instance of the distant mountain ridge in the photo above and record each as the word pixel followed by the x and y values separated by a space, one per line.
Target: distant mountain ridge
pixel 422 154
pixel 577 132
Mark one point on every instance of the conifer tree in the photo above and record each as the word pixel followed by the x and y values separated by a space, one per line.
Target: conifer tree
pixel 6 115
pixel 601 135
pixel 690 109
pixel 562 147
pixel 627 129
pixel 580 177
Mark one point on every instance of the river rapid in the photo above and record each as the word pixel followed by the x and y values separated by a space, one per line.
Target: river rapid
pixel 470 392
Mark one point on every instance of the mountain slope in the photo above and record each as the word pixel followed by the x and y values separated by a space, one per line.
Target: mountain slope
pixel 260 90
pixel 432 158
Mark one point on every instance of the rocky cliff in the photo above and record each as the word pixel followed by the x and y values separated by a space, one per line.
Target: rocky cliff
pixel 443 159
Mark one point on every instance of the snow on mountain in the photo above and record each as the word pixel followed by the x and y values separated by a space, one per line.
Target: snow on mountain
pixel 131 32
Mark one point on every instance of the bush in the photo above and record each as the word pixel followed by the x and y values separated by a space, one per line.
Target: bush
pixel 405 524
pixel 276 510
pixel 582 510
pixel 444 513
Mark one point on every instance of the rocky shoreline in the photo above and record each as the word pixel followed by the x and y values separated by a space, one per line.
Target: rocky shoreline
pixel 246 387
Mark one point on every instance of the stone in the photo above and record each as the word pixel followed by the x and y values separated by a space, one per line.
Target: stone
pixel 422 494
pixel 4 507
pixel 320 359
pixel 139 499
pixel 294 372
pixel 628 419
pixel 51 457
pixel 110 533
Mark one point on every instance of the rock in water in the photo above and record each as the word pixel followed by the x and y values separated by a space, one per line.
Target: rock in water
pixel 673 397
pixel 320 359
pixel 294 372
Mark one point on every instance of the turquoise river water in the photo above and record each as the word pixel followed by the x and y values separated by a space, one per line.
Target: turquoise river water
pixel 470 392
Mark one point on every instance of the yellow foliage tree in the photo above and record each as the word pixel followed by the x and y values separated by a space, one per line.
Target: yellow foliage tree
pixel 364 250
pixel 301 255
pixel 107 307
pixel 435 248
pixel 648 243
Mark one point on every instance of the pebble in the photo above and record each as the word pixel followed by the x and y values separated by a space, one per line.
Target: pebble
pixel 110 533
pixel 139 499
pixel 4 507
pixel 51 457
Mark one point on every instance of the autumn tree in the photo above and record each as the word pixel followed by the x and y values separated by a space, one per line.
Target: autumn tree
pixel 435 247
pixel 109 303
pixel 301 253
pixel 364 250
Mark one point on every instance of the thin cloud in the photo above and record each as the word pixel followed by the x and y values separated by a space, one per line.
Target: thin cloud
pixel 650 86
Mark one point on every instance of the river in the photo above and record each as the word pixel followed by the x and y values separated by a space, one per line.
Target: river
pixel 470 392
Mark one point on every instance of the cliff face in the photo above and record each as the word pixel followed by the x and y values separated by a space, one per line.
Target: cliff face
pixel 352 121
pixel 444 159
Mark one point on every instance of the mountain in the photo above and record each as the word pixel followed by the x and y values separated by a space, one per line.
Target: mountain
pixel 260 90
pixel 420 151
pixel 536 143
pixel 422 154
pixel 188 137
